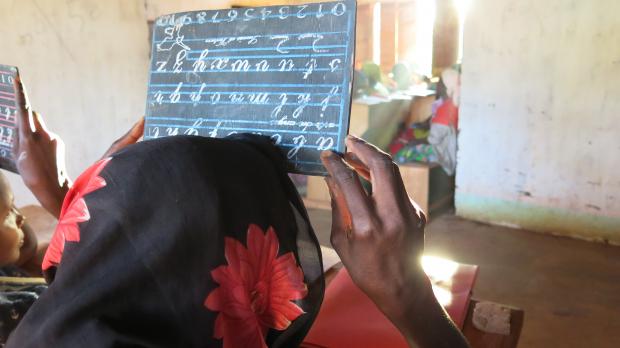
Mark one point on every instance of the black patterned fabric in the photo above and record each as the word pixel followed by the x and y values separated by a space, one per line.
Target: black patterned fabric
pixel 180 242
pixel 15 299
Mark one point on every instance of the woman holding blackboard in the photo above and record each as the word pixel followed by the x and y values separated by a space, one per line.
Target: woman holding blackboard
pixel 193 242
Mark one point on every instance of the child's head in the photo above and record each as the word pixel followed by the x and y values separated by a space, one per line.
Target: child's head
pixel 11 234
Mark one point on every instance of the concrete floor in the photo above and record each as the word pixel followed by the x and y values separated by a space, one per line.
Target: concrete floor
pixel 569 289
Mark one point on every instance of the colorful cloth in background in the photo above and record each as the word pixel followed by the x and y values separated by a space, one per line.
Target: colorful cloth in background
pixel 439 145
pixel 406 137
pixel 443 135
pixel 180 242
pixel 416 153
pixel 447 114
pixel 435 106
pixel 416 133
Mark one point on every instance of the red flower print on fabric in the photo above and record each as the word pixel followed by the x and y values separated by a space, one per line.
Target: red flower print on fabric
pixel 256 290
pixel 74 210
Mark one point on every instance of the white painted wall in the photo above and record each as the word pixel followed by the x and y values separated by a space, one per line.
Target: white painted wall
pixel 539 143
pixel 85 67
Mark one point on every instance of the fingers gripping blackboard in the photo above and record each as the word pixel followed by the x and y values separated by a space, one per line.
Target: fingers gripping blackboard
pixel 282 71
pixel 8 112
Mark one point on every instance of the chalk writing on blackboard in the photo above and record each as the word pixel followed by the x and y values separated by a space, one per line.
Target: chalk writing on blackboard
pixel 281 71
pixel 8 112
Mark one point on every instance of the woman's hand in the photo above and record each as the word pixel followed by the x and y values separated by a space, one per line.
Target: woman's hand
pixel 380 239
pixel 39 156
pixel 131 137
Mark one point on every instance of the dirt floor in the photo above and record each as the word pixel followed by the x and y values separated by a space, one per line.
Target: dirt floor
pixel 569 289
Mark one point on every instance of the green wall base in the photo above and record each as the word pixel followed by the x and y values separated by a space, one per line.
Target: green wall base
pixel 540 219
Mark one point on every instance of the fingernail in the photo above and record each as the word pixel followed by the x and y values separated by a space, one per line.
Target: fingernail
pixel 326 153
pixel 353 137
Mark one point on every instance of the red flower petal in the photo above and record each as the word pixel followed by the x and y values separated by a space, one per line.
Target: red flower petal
pixel 223 276
pixel 54 251
pixel 67 225
pixel 94 184
pixel 219 298
pixel 218 330
pixel 255 290
pixel 263 249
pixel 280 314
pixel 238 259
pixel 74 211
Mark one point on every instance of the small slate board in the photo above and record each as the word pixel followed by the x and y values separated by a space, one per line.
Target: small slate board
pixel 281 71
pixel 8 120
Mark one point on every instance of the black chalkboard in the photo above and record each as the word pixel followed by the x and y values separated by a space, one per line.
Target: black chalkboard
pixel 8 112
pixel 281 71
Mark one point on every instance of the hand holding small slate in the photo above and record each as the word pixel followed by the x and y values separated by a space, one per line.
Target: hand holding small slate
pixel 39 155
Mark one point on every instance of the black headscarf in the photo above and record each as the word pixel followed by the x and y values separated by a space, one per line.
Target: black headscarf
pixel 180 242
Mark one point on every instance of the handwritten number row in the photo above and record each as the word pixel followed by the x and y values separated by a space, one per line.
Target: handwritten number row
pixel 251 14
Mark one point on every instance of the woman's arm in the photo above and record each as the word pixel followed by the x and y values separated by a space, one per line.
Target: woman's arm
pixel 380 239
pixel 40 154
